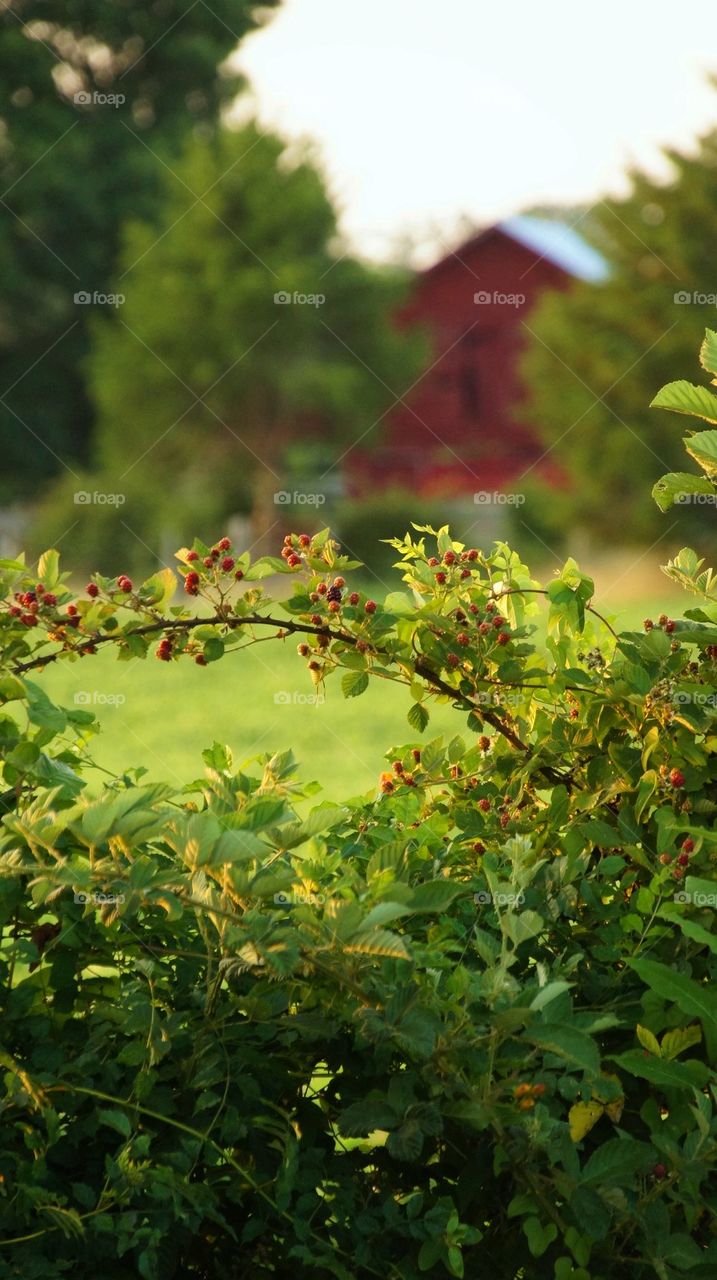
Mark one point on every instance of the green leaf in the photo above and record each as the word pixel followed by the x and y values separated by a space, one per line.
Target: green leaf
pixel 48 569
pixel 566 1042
pixel 159 589
pixel 354 683
pixel 434 895
pixel 617 1161
pixel 684 397
pixel 675 1075
pixel 539 1237
pixel 418 717
pixel 115 1120
pixel 703 448
pixel 692 997
pixel 708 351
pixel 677 486
pixel 648 1041
pixel 406 1143
pixel 675 1042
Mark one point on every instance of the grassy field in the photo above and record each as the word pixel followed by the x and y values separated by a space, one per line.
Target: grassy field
pixel 161 715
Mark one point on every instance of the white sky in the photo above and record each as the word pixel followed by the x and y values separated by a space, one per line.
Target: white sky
pixel 428 110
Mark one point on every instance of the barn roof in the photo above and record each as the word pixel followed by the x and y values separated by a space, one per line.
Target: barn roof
pixel 559 243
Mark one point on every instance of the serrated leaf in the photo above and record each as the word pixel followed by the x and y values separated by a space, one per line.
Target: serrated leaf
pixel 708 351
pixel 676 487
pixel 675 1075
pixel 692 997
pixel 617 1161
pixel 703 448
pixel 115 1120
pixel 434 895
pixel 684 397
pixel 675 1042
pixel 566 1042
pixel 378 942
pixel 648 1041
pixel 418 717
pixel 354 683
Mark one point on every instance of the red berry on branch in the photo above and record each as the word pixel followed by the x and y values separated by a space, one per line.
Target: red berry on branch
pixel 670 626
pixel 490 606
pixel 453 660
pixel 503 637
pixel 304 540
pixel 239 575
pixel 215 553
pixel 208 562
pixel 72 609
pixel 200 660
pixel 498 622
pixel 678 873
pixel 29 619
pixel 334 606
pixel 478 847
pixel 484 804
pixel 288 539
pixel 339 582
pixel 688 845
pixel 397 766
pixel 370 606
pixel 484 628
pixel 484 743
pixel 665 859
pixel 224 544
pixel 416 753
pixel 474 608
pixel 648 624
pixel 683 860
pixel 440 578
pixel 92 589
pixel 677 778
pixel 354 597
pixel 449 557
pixel 124 583
pixel 192 555
pixel 361 646
pixel 191 584
pixel 662 619
pixel 50 600
pixel 463 638
pixel 227 564
pixel 465 573
pixel 433 562
pixel 293 560
pixel 472 554
pixel 322 588
pixel 659 1171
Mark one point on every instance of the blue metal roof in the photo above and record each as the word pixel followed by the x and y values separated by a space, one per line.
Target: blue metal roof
pixel 559 244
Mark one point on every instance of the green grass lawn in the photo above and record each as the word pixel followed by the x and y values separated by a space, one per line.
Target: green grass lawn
pixel 162 715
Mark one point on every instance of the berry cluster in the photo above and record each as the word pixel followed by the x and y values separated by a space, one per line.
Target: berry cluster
pixel 526 1095
pixel 682 860
pixel 211 568
pixel 31 605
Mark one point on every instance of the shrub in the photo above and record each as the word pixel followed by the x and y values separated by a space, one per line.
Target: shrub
pixel 467 1022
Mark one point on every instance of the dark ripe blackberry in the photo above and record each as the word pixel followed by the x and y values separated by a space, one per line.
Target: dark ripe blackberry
pixel 334 595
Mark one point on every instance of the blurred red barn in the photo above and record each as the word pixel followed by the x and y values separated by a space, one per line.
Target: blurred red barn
pixel 454 432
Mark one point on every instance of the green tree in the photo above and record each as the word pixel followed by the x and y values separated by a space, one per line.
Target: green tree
pixel 72 171
pixel 597 352
pixel 208 373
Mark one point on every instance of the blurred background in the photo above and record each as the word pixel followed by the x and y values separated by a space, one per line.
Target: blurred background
pixel 268 267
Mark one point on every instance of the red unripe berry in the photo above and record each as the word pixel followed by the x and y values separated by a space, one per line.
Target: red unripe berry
pixel 339 582
pixel 490 606
pixel 677 778
pixel 386 784
pixel 484 628
pixel 504 819
pixel 498 622
pixel 465 573
pixel 354 597
pixel 293 560
pixel 433 562
pixel 303 650
pixel 314 665
pixel 670 626
pixel 678 873
pixel 688 845
pixel 361 646
pixel 659 1171
pixel 416 753
pixel 50 600
pixel 574 711
pixel 224 544
pixel 662 619
pixel 665 859
pixel 459 615
pixel 478 847
pixel 15 612
pixel 503 637
pixel 40 589
pixel 484 743
pixel 215 553
pixel 192 555
pixel 164 655
pixel 440 578
pixel 397 766
pixel 370 606
pixel 484 804
pixel 304 540
pixel 239 575
pixel 200 660
pixel 29 619
pixel 72 609
pixel 463 638
pixel 334 606
pixel 322 588
pixel 449 557
pixel 472 554
pixel 474 608
pixel 683 860
pixel 208 562
pixel 124 583
pixel 648 624
pixel 288 539
pixel 453 660
pixel 92 589
pixel 409 780
pixel 191 584
pixel 227 564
